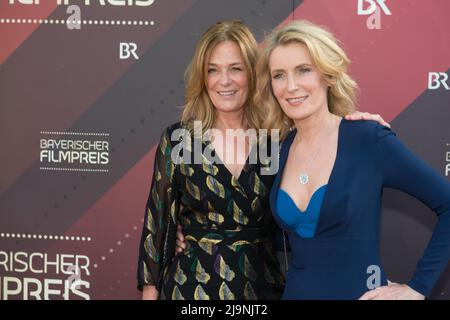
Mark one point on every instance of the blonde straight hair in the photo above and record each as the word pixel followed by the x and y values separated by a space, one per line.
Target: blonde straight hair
pixel 198 105
pixel 327 56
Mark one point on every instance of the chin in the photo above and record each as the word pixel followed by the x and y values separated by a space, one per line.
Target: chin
pixel 230 108
pixel 297 115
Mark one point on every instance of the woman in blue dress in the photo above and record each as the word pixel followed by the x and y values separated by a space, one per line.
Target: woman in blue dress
pixel 327 193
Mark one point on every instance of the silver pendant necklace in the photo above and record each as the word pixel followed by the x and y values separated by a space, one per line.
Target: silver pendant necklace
pixel 304 177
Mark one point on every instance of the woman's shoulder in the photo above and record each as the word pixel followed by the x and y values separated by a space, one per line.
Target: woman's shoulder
pixel 174 126
pixel 168 134
pixel 365 132
pixel 368 128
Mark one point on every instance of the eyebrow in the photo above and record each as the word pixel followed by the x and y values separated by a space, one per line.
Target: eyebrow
pixel 299 66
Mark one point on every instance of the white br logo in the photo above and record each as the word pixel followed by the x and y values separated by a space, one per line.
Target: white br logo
pixel 373 21
pixel 436 79
pixel 372 8
pixel 127 49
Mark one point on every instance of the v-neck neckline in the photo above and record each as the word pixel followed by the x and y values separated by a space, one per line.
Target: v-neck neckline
pixel 209 144
pixel 332 173
pixel 304 212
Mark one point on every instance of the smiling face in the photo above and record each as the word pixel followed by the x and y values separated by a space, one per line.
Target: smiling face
pixel 299 87
pixel 227 79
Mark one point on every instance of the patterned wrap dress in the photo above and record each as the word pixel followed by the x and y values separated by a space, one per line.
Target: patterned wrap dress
pixel 226 221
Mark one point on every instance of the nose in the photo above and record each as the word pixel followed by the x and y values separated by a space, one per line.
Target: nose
pixel 292 83
pixel 225 78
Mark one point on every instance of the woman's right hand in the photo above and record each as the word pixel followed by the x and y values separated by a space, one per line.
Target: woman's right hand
pixel 149 293
pixel 181 245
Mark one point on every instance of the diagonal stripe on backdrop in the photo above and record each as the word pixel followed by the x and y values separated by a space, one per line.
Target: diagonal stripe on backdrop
pixel 57 74
pixel 13 34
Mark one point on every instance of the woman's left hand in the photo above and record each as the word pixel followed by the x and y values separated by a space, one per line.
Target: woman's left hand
pixel 393 291
pixel 367 116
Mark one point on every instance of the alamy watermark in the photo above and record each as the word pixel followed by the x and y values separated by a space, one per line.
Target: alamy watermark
pixel 374 279
pixel 189 150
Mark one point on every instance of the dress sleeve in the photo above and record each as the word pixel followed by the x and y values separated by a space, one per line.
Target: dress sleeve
pixel 403 170
pixel 157 240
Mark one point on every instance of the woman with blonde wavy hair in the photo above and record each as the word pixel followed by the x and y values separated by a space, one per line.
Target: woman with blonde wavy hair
pixel 327 193
pixel 222 206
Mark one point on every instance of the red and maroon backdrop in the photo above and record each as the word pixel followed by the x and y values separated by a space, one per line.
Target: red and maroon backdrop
pixel 109 74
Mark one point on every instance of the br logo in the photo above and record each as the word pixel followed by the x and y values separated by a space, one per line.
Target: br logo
pixel 373 9
pixel 438 79
pixel 127 49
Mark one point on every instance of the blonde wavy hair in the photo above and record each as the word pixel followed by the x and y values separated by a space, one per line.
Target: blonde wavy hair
pixel 327 56
pixel 198 105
